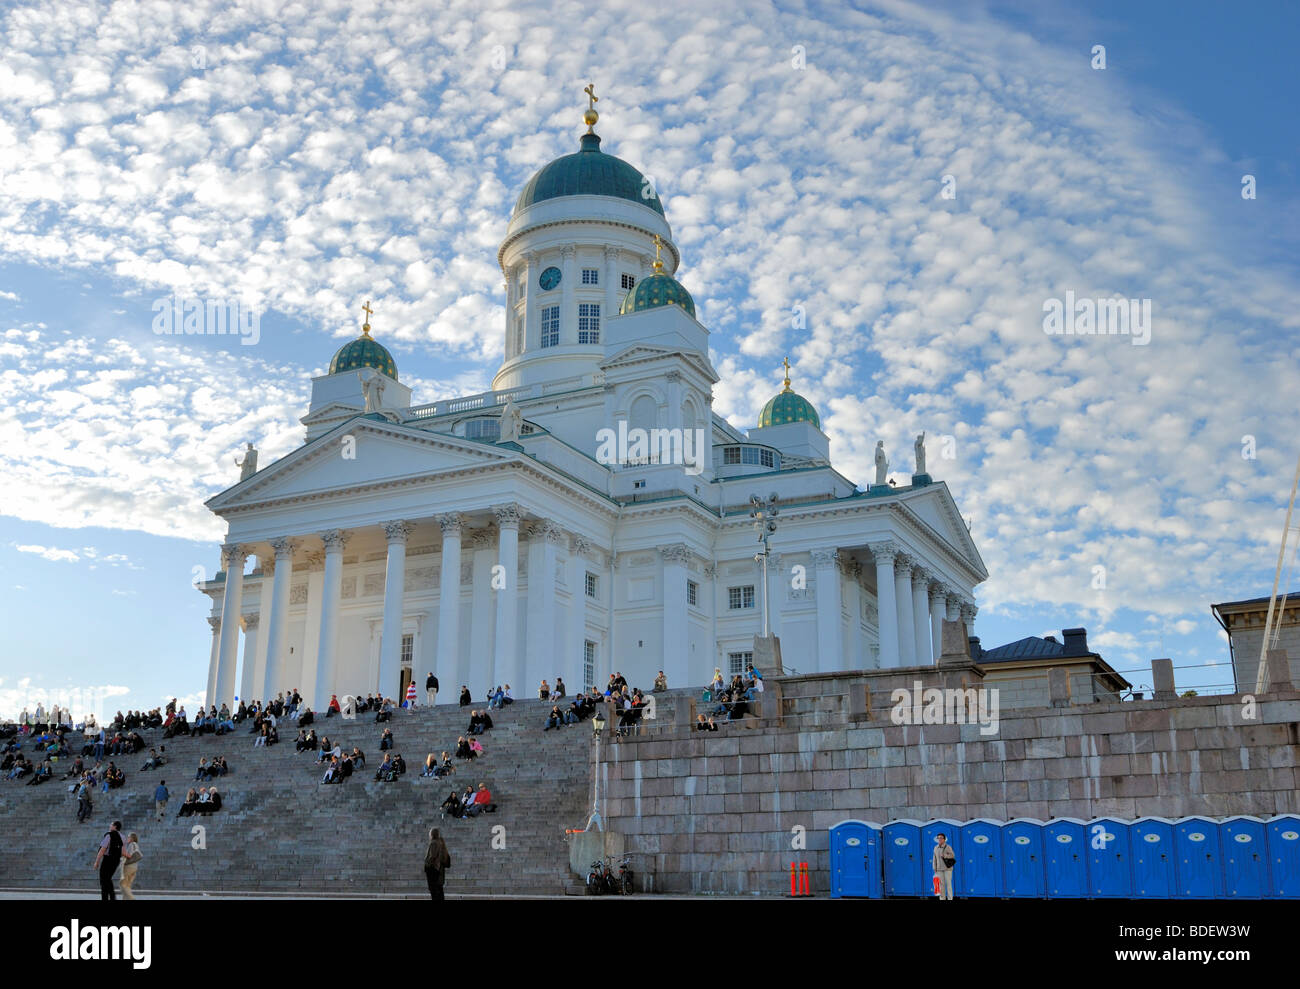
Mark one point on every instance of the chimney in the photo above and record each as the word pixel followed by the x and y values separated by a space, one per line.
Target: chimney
pixel 976 653
pixel 1076 641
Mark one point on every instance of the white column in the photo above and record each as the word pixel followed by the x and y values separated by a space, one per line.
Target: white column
pixel 307 667
pixel 954 606
pixel 232 559
pixel 886 608
pixel 903 594
pixel 577 637
pixel 277 628
pixel 775 592
pixel 331 595
pixel 855 659
pixel 568 305
pixel 390 646
pixel 506 655
pixel 532 331
pixel 539 661
pixel 446 662
pixel 921 616
pixel 248 674
pixel 483 675
pixel 674 417
pixel 937 593
pixel 968 613
pixel 830 647
pixel 613 283
pixel 214 623
pixel 676 661
pixel 257 689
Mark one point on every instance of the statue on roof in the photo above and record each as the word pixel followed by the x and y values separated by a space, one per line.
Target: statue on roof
pixel 919 447
pixel 512 422
pixel 247 466
pixel 373 391
pixel 882 463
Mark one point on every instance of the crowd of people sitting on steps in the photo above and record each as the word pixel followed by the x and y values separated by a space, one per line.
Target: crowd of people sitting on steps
pixel 731 700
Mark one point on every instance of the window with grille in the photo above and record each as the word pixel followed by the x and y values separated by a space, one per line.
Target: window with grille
pixel 589 662
pixel 550 326
pixel 637 485
pixel 589 322
pixel 483 429
pixel 590 276
pixel 408 649
pixel 731 455
pixel 740 597
pixel 591 585
pixel 737 661
pixel 692 593
pixel 628 281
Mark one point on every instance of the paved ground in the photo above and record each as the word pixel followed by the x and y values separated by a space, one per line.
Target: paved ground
pixel 92 893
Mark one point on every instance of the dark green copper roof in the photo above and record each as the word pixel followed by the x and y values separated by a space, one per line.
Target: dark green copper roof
pixel 589 172
pixel 788 407
pixel 657 290
pixel 363 352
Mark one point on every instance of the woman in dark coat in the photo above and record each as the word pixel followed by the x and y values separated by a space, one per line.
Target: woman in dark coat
pixel 436 861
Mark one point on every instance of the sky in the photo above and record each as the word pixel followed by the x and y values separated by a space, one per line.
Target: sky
pixel 918 180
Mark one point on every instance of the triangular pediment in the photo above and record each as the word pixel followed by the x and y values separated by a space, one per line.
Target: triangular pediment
pixel 331 411
pixel 934 506
pixel 359 453
pixel 642 353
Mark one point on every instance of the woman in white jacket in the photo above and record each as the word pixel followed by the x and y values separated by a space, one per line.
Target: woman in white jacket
pixel 130 863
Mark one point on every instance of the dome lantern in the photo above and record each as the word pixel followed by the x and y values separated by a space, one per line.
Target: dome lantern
pixel 788 406
pixel 364 351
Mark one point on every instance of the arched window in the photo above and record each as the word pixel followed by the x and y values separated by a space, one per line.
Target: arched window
pixel 645 413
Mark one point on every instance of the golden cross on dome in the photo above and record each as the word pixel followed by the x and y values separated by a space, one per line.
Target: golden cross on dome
pixel 365 327
pixel 659 265
pixel 592 98
pixel 591 116
pixel 786 362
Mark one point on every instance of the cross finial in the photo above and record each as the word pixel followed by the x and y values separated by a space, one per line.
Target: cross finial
pixel 591 116
pixel 592 98
pixel 786 362
pixel 659 265
pixel 365 327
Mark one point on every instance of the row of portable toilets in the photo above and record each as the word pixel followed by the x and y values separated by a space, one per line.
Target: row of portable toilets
pixel 1151 857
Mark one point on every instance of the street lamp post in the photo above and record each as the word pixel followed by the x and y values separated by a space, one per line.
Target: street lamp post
pixel 764 515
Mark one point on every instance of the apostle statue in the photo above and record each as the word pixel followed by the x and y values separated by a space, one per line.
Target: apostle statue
pixel 882 464
pixel 247 466
pixel 373 390
pixel 919 446
pixel 512 422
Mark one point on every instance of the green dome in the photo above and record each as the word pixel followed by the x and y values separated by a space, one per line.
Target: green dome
pixel 589 172
pixel 364 352
pixel 788 407
pixel 657 290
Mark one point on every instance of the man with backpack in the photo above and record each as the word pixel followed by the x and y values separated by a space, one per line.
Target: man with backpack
pixel 108 859
pixel 943 859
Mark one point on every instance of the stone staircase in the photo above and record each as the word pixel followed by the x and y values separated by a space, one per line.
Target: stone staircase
pixel 281 831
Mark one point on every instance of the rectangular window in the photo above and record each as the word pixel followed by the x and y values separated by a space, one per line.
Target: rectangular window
pixel 519 335
pixel 629 281
pixel 550 326
pixel 737 661
pixel 740 597
pixel 749 455
pixel 589 662
pixel 590 276
pixel 731 455
pixel 692 593
pixel 408 648
pixel 589 322
pixel 591 585
pixel 766 458
pixel 638 484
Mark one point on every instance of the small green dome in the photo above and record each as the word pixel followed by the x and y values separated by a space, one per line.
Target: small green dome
pixel 364 352
pixel 788 407
pixel 589 172
pixel 656 291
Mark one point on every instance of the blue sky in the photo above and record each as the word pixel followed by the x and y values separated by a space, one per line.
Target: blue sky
pixel 311 157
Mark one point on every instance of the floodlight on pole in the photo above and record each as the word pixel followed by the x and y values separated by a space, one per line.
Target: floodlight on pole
pixel 764 515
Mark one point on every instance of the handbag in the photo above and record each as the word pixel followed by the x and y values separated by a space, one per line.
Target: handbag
pixel 135 857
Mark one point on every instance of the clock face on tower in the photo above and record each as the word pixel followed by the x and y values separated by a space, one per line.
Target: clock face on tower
pixel 550 278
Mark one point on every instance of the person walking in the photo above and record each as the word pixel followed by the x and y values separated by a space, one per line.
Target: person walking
pixel 436 862
pixel 160 798
pixel 410 696
pixel 943 859
pixel 130 862
pixel 431 690
pixel 107 859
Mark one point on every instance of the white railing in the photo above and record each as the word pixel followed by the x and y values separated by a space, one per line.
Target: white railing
pixel 493 399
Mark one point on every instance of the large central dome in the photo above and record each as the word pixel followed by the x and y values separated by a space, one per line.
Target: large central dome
pixel 589 172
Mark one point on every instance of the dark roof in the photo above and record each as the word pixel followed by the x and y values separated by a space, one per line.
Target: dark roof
pixel 1293 595
pixel 1074 644
pixel 589 172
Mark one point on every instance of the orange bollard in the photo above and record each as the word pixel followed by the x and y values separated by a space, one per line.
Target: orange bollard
pixel 803 879
pixel 792 881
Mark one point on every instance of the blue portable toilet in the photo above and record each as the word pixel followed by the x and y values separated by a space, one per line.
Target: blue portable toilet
pixel 1284 856
pixel 1065 855
pixel 952 835
pixel 979 864
pixel 1152 843
pixel 855 860
pixel 903 857
pixel 1109 873
pixel 1244 847
pixel 1198 860
pixel 1023 873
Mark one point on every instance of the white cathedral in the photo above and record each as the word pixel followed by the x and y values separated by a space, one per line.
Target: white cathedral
pixel 503 538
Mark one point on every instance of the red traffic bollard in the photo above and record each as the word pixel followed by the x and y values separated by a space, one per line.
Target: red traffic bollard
pixel 793 888
pixel 803 879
